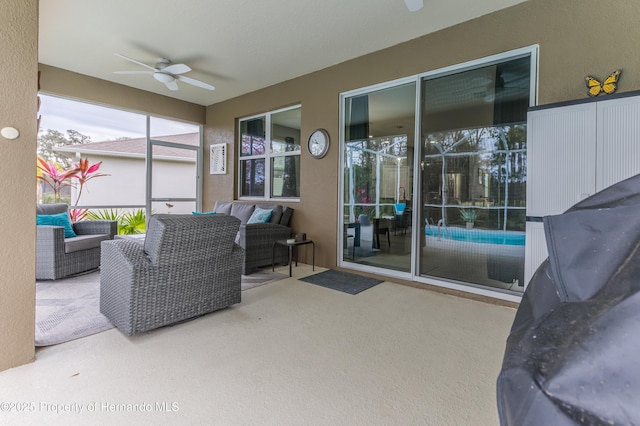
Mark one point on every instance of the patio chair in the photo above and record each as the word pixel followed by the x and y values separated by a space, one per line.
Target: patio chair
pixel 402 217
pixel 377 229
pixel 188 266
pixel 57 255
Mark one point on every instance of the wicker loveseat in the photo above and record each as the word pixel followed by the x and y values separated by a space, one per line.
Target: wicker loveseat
pixel 57 256
pixel 188 266
pixel 257 238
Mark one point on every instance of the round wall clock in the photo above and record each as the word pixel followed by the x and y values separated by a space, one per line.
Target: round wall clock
pixel 318 143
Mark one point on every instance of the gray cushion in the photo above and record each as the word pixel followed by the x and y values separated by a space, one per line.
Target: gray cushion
pixel 242 211
pixel 223 207
pixel 276 210
pixel 286 216
pixel 84 242
pixel 51 208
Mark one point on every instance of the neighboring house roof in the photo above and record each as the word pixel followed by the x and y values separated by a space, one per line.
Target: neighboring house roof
pixel 137 147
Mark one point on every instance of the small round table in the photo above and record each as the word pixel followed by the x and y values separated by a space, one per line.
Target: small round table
pixel 291 245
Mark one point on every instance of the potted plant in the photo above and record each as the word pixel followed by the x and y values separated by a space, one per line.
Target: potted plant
pixel 469 216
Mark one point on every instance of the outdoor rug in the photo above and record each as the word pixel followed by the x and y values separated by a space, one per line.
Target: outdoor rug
pixel 69 308
pixel 342 281
pixel 261 277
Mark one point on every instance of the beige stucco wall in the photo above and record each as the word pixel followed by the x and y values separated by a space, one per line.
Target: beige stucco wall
pixel 18 108
pixel 574 41
pixel 76 86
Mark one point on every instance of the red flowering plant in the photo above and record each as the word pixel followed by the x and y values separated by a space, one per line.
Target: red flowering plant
pixel 77 215
pixel 85 172
pixel 57 177
pixel 363 198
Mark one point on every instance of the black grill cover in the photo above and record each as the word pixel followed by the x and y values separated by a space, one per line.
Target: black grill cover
pixel 573 353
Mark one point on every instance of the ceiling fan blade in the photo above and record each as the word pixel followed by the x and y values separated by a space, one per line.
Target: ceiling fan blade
pixel 172 85
pixel 133 72
pixel 414 5
pixel 176 69
pixel 134 61
pixel 195 82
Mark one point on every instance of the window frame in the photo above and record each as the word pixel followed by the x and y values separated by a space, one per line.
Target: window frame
pixel 268 156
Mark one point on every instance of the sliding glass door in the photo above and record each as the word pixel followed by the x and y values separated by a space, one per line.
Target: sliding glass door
pixel 455 215
pixel 473 174
pixel 378 177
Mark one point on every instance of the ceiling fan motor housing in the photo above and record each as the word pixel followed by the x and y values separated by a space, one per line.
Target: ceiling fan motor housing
pixel 163 77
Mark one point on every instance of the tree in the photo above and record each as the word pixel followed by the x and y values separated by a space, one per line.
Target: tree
pixel 50 139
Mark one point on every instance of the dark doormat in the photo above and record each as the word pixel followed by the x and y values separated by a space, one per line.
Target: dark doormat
pixel 342 281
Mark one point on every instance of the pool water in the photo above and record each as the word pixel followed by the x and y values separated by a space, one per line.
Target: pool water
pixel 484 236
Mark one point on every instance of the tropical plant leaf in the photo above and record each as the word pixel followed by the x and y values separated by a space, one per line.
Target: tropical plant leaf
pixel 133 222
pixel 55 176
pixel 78 214
pixel 105 214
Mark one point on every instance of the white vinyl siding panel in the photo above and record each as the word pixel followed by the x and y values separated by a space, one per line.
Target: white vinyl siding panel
pixel 573 152
pixel 535 250
pixel 561 158
pixel 618 146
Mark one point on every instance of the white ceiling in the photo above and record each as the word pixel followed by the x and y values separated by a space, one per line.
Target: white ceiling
pixel 236 45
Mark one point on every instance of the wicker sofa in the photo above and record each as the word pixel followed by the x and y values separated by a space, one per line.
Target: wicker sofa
pixel 188 266
pixel 57 256
pixel 257 238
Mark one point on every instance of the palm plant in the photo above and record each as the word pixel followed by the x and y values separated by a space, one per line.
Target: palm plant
pixel 104 214
pixel 128 222
pixel 134 222
pixel 469 215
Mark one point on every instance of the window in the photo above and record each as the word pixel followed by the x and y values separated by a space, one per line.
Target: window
pixel 270 170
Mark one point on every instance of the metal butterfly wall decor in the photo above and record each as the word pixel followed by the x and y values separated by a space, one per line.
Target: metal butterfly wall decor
pixel 608 86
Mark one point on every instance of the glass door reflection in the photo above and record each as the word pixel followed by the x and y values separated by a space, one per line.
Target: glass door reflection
pixel 378 177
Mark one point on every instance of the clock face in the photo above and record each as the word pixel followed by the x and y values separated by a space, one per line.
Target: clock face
pixel 319 143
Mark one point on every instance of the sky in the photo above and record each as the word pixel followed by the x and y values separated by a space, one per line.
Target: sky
pixel 101 123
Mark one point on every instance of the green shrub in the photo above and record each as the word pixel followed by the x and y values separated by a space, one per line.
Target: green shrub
pixel 469 215
pixel 129 222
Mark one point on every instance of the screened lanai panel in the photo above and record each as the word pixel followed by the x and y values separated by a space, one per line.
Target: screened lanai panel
pixel 172 131
pixel 174 180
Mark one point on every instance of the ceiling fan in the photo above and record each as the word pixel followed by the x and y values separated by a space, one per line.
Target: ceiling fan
pixel 167 73
pixel 414 5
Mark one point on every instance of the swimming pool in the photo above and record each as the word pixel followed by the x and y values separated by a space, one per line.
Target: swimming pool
pixel 484 236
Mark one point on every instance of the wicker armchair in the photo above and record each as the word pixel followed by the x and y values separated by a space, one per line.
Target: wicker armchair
pixel 57 256
pixel 188 266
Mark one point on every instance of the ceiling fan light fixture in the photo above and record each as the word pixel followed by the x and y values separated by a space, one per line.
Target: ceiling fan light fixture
pixel 167 73
pixel 163 77
pixel 414 5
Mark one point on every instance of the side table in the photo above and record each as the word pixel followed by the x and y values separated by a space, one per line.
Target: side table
pixel 291 246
